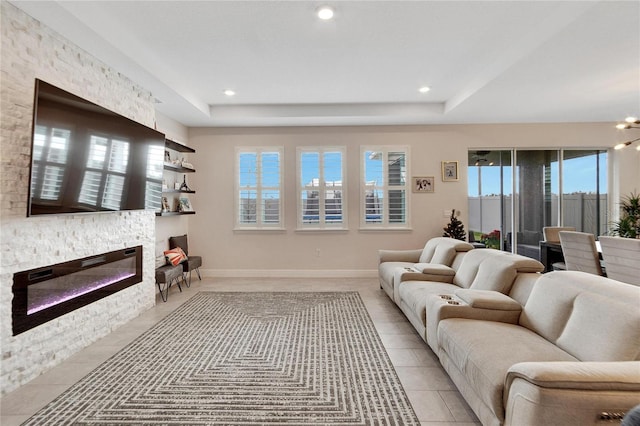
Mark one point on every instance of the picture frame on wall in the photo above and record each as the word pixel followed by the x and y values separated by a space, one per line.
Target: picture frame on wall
pixel 450 171
pixel 423 184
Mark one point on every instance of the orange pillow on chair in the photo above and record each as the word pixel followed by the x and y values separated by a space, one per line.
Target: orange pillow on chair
pixel 175 256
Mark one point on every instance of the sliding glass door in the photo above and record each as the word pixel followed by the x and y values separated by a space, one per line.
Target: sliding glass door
pixel 490 197
pixel 545 188
pixel 584 191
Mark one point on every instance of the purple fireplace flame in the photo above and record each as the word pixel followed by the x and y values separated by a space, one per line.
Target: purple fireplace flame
pixel 45 293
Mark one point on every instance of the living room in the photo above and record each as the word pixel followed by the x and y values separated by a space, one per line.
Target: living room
pixel 31 49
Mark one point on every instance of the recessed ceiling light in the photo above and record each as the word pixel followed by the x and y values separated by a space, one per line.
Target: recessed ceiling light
pixel 325 13
pixel 424 89
pixel 229 92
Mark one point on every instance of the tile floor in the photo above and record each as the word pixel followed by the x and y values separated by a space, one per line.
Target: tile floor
pixel 434 397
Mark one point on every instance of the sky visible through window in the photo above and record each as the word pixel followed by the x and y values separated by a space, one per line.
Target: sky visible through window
pixel 248 165
pixel 309 169
pixel 578 177
pixel 579 173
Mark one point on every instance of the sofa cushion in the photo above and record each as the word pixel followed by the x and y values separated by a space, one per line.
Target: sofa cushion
pixel 443 250
pixel 493 269
pixel 175 256
pixel 590 333
pixel 551 305
pixel 498 272
pixel 485 350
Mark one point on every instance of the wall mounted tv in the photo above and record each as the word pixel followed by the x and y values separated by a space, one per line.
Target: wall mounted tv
pixel 85 158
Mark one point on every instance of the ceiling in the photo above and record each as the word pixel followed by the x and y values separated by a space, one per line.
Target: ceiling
pixel 485 61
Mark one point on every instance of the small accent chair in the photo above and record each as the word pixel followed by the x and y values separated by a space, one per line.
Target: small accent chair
pixel 580 252
pixel 166 275
pixel 552 235
pixel 622 258
pixel 193 262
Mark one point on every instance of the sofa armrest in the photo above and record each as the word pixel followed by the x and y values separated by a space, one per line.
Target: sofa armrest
pixel 488 299
pixel 561 393
pixel 444 306
pixel 622 375
pixel 409 256
pixel 429 272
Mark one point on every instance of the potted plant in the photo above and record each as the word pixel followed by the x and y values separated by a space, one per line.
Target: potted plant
pixel 628 226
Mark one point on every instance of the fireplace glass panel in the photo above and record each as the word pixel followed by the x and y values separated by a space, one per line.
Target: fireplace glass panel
pixel 52 292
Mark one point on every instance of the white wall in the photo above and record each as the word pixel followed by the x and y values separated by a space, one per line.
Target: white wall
pixel 353 252
pixel 30 50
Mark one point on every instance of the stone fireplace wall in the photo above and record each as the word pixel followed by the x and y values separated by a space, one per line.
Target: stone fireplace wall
pixel 31 50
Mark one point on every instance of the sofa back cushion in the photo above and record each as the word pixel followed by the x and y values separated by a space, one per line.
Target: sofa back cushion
pixel 591 317
pixel 488 269
pixel 442 250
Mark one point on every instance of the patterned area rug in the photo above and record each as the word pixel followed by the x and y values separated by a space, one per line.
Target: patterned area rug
pixel 244 359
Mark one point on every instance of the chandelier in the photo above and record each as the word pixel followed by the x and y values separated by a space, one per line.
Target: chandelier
pixel 629 123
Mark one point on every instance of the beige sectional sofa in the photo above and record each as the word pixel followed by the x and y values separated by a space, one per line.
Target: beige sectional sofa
pixel 569 356
pixel 523 348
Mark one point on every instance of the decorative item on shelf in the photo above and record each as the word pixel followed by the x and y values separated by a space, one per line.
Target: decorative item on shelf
pixel 449 171
pixel 630 123
pixel 165 205
pixel 164 185
pixel 455 228
pixel 423 184
pixel 628 226
pixel 184 205
pixel 186 165
pixel 183 185
pixel 167 156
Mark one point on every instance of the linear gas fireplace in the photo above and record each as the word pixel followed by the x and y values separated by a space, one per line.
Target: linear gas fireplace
pixel 42 294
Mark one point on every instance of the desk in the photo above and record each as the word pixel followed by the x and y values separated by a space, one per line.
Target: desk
pixel 551 253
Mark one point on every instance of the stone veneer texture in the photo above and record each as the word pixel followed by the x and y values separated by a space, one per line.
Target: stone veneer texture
pixel 31 50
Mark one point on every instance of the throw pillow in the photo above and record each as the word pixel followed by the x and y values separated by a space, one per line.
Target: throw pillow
pixel 175 256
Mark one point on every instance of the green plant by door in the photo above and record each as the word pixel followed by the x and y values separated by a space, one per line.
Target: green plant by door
pixel 629 224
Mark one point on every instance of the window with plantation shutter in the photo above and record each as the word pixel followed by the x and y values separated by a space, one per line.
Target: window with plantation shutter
pixel 384 187
pixel 50 155
pixel 259 188
pixel 104 177
pixel 321 183
pixel 153 184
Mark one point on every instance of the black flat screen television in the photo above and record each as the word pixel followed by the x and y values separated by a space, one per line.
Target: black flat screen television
pixel 85 158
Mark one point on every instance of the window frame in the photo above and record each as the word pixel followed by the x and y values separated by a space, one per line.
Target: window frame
pixel 385 224
pixel 321 225
pixel 259 224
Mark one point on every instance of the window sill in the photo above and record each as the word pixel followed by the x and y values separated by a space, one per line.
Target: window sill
pixel 386 229
pixel 248 230
pixel 311 230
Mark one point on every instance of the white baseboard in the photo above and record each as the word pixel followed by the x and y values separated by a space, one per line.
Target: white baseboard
pixel 288 273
